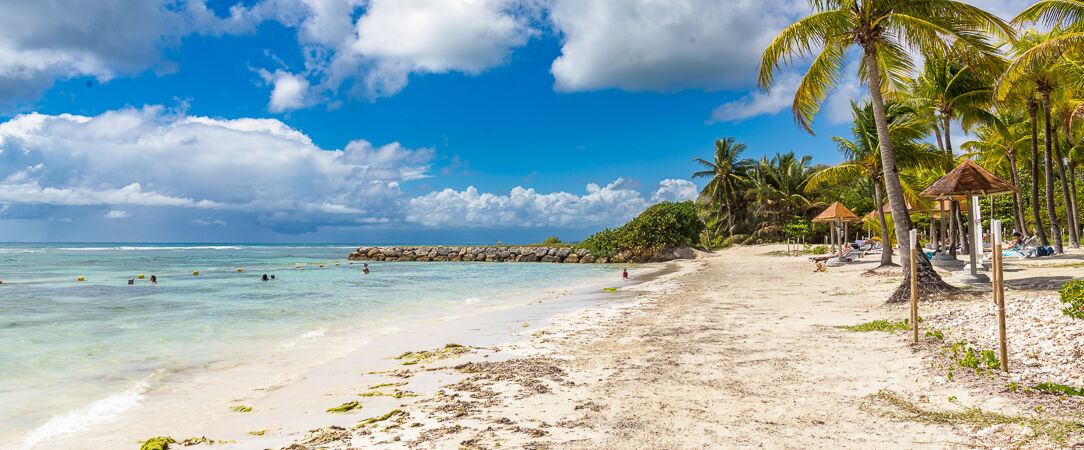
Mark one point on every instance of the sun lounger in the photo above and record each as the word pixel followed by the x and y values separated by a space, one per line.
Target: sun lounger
pixel 1027 249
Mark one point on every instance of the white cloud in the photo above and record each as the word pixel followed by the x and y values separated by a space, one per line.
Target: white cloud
pixel 674 190
pixel 758 103
pixel 150 157
pixel 665 45
pixel 608 205
pixel 116 214
pixel 393 39
pixel 290 91
pixel 41 41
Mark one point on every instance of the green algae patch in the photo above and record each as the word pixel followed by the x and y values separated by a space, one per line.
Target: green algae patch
pixel 877 325
pixel 258 432
pixel 395 394
pixel 611 289
pixel 344 407
pixel 241 408
pixel 371 420
pixel 387 385
pixel 449 351
pixel 157 443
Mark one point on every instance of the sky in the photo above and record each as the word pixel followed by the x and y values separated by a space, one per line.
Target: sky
pixel 380 121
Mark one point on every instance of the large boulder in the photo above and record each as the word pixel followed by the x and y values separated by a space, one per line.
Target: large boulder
pixel 549 259
pixel 573 258
pixel 588 259
pixel 564 252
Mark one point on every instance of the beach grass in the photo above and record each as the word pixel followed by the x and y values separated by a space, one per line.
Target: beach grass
pixel 877 325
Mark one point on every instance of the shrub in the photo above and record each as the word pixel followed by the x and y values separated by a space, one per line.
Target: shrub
pixel 666 224
pixel 552 240
pixel 603 243
pixel 1072 294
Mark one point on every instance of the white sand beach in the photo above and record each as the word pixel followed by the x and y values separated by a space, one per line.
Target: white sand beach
pixel 734 349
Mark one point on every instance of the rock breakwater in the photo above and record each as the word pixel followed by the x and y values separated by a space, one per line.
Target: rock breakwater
pixel 569 255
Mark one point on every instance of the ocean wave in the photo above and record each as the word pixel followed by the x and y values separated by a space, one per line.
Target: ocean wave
pixel 471 300
pixel 96 412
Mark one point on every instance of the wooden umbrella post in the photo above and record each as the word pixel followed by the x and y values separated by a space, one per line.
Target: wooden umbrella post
pixel 999 290
pixel 914 286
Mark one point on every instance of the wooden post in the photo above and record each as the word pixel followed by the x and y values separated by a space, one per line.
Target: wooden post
pixel 914 285
pixel 999 290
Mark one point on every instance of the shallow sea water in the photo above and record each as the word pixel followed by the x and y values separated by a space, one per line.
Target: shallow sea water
pixel 72 352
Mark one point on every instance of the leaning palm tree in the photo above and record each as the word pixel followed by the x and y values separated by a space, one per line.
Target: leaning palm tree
pixel 863 162
pixel 883 30
pixel 727 173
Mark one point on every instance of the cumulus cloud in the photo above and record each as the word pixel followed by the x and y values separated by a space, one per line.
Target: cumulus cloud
pixel 608 205
pixel 151 157
pixel 674 190
pixel 289 91
pixel 41 41
pixel 664 45
pixel 116 214
pixel 758 103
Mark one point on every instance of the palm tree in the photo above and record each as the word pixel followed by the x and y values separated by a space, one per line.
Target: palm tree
pixel 883 29
pixel 1042 77
pixel 998 146
pixel 778 191
pixel 863 163
pixel 950 91
pixel 727 174
pixel 1064 15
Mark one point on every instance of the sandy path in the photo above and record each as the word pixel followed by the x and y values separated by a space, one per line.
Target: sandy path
pixel 744 354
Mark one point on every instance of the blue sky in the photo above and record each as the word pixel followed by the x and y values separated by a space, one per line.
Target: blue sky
pixel 376 121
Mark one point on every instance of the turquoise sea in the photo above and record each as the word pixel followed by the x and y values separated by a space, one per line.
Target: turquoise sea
pixel 72 352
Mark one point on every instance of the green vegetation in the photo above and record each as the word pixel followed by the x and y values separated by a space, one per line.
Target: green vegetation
pixel 371 420
pixel 1059 389
pixel 344 407
pixel 552 240
pixel 663 225
pixel 1072 294
pixel 388 385
pixel 157 443
pixel 258 432
pixel 449 351
pixel 395 394
pixel 966 356
pixel 241 408
pixel 609 289
pixel 891 404
pixel 878 325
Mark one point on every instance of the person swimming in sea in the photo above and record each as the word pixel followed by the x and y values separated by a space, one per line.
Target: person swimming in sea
pixel 272 276
pixel 625 274
pixel 131 281
pixel 264 277
pixel 154 279
pixel 365 269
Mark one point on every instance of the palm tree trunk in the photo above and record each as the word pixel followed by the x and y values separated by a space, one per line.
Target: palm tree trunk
pixel 1074 238
pixel 1017 204
pixel 1072 195
pixel 1033 106
pixel 886 253
pixel 957 228
pixel 888 161
pixel 927 280
pixel 1051 214
pixel 954 227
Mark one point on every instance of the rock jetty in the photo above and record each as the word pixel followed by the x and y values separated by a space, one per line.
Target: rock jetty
pixel 515 254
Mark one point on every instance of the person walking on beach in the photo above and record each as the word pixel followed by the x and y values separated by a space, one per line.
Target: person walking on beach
pixel 365 269
pixel 625 274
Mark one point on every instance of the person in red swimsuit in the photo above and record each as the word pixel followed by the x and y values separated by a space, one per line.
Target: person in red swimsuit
pixel 625 274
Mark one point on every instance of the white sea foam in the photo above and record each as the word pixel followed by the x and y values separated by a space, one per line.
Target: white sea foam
pixel 472 300
pixel 96 412
pixel 388 330
pixel 319 332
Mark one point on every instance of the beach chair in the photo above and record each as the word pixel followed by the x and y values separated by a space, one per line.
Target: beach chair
pixel 1026 249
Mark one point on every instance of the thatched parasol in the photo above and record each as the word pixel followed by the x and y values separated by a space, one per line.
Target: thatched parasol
pixel 970 180
pixel 837 211
pixel 839 215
